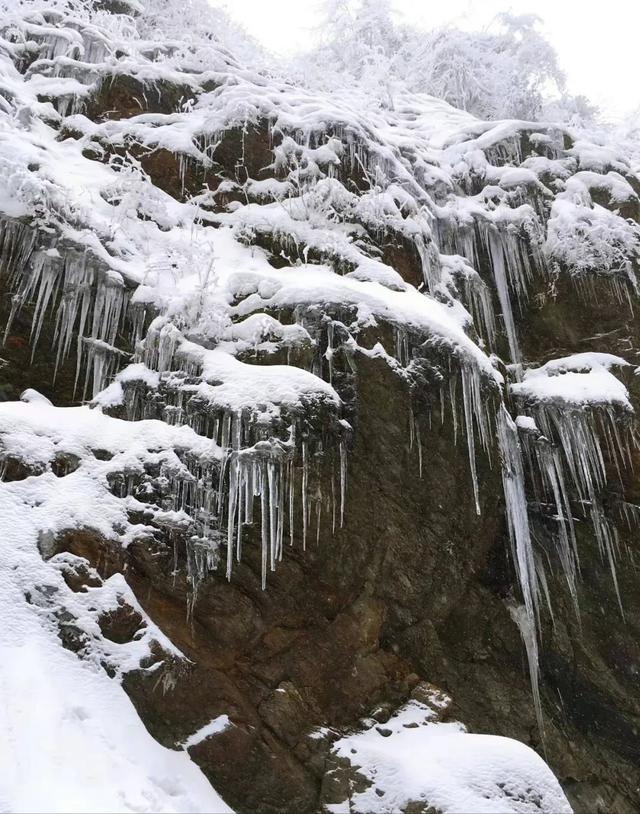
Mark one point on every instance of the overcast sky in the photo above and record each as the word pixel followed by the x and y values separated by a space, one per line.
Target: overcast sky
pixel 598 42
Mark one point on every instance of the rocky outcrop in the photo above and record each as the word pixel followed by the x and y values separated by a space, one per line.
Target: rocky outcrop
pixel 415 586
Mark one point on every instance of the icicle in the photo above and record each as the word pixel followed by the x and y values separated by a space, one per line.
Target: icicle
pixel 100 360
pixel 579 445
pixel 454 409
pixel 333 503
pixel 233 489
pixel 513 483
pixel 329 353
pixel 473 408
pixel 241 504
pixel 411 428
pixel 291 501
pixel 527 629
pixel 402 346
pixel 478 296
pixel 73 302
pixel 511 261
pixel 273 505
pixel 516 509
pixel 607 538
pixel 107 309
pixel 46 276
pixel 549 464
pixel 305 490
pixel 500 265
pixel 318 513
pixel 264 525
pixel 430 263
pixel 280 512
pixel 343 479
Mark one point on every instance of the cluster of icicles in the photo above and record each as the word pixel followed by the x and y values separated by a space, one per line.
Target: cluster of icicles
pixel 90 302
pixel 219 495
pixel 562 456
pixel 93 304
pixel 563 460
pixel 277 466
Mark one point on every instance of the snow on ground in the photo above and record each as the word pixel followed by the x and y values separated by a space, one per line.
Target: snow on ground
pixel 71 739
pixel 413 758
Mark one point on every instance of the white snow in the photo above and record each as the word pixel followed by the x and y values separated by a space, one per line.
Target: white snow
pixel 441 765
pixel 582 379
pixel 36 431
pixel 71 739
pixel 214 727
pixel 526 423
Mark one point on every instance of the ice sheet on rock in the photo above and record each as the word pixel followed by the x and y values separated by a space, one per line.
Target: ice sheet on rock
pixel 413 759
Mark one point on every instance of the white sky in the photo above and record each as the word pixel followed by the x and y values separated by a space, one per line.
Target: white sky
pixel 598 41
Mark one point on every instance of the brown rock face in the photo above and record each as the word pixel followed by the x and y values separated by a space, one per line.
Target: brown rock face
pixel 337 630
pixel 414 586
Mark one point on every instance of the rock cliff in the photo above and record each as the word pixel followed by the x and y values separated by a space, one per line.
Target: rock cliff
pixel 319 421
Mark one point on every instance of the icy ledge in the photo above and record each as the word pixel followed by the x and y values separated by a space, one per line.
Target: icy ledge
pixel 583 379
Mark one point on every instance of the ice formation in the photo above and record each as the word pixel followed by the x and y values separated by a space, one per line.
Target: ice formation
pixel 217 316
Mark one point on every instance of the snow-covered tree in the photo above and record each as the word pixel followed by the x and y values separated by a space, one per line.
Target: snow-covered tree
pixel 198 23
pixel 507 71
pixel 491 74
pixel 361 45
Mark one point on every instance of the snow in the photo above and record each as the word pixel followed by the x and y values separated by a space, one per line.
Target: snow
pixel 214 727
pixel 617 187
pixel 583 379
pixel 178 307
pixel 71 739
pixel 36 431
pixel 587 238
pixel 409 309
pixel 412 758
pixel 240 385
pixel 526 423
